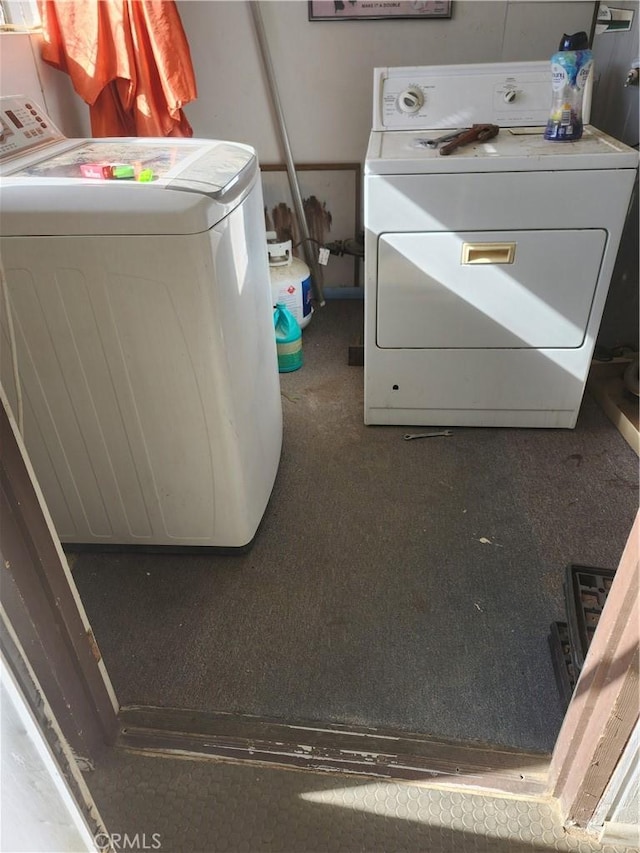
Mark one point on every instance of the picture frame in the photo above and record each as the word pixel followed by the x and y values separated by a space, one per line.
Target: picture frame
pixel 331 195
pixel 378 10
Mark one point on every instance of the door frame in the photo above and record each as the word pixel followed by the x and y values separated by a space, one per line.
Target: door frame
pixel 45 634
pixel 45 623
pixel 605 705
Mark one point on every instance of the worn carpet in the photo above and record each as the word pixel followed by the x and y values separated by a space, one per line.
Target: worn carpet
pixel 398 584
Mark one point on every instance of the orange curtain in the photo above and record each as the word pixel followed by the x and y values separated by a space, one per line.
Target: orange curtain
pixel 128 59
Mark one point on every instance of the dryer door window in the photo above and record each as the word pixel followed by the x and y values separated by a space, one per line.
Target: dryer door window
pixel 505 289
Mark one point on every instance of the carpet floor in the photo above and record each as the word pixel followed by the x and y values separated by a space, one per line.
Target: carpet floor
pixel 405 585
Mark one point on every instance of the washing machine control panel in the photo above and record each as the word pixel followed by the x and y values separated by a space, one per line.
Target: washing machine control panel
pixel 451 96
pixel 24 126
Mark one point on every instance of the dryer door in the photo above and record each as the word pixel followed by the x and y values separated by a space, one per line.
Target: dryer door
pixel 487 289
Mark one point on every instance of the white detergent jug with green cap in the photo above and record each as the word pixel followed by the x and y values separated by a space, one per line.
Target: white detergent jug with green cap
pixel 570 69
pixel 288 339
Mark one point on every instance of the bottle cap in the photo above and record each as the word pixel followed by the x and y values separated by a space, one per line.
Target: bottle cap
pixel 577 41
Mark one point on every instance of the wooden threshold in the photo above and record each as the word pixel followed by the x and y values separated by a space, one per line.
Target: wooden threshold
pixel 606 386
pixel 378 753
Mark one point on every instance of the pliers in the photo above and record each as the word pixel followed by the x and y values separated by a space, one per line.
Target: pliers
pixel 476 133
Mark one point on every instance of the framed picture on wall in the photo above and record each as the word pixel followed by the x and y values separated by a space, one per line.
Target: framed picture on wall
pixel 376 10
pixel 331 200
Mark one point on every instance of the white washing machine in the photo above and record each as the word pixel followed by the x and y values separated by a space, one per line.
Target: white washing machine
pixel 144 333
pixel 486 271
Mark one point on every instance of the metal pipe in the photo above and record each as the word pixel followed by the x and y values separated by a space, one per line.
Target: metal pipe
pixel 309 251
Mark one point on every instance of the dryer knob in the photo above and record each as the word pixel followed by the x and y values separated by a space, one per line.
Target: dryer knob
pixel 509 96
pixel 410 100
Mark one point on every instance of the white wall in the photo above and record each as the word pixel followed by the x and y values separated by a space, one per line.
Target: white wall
pixel 38 810
pixel 18 67
pixel 325 69
pixel 615 110
pixel 22 72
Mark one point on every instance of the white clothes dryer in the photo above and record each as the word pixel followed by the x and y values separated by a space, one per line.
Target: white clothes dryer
pixel 487 270
pixel 144 333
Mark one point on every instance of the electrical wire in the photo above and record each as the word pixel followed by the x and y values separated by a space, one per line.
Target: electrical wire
pixel 307 239
pixel 337 247
pixel 14 349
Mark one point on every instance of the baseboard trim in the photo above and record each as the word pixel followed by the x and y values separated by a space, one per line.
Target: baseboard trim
pixel 318 747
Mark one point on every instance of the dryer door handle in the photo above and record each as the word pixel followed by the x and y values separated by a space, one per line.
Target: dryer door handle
pixel 488 253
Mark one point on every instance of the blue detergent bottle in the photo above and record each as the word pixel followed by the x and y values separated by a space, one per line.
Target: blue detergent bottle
pixel 288 339
pixel 570 68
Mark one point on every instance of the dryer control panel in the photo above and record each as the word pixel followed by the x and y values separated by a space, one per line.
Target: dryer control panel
pixel 24 126
pixel 509 94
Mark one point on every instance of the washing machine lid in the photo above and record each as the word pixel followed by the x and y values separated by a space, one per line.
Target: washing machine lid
pixel 192 184
pixel 515 149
